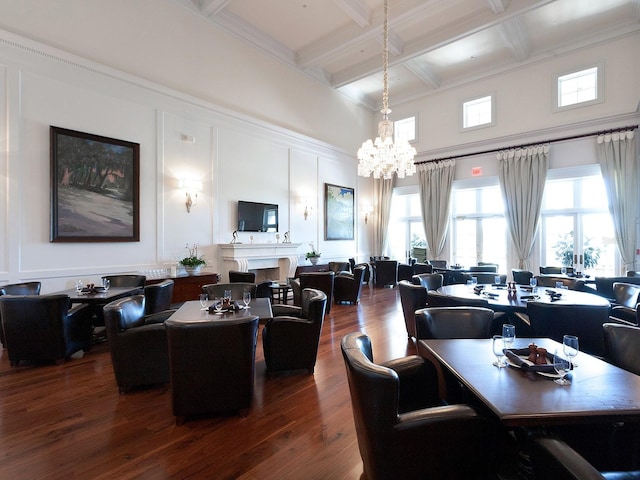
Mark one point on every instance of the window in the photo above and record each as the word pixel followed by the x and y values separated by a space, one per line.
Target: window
pixel 576 228
pixel 478 112
pixel 478 226
pixel 406 230
pixel 404 129
pixel 578 88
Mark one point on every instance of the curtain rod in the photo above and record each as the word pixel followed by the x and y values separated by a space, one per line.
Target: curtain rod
pixel 561 139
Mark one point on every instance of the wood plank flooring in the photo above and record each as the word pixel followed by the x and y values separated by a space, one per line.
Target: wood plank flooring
pixel 69 422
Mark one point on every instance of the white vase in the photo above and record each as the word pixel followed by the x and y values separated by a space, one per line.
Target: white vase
pixel 193 270
pixel 313 260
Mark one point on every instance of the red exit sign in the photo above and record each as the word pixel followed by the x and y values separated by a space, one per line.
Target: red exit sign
pixel 476 171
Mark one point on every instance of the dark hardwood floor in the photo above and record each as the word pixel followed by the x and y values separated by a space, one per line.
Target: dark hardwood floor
pixel 69 422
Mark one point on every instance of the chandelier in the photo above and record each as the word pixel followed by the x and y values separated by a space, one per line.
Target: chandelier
pixel 383 157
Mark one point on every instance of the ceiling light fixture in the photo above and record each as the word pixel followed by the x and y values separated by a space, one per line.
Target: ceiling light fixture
pixel 383 158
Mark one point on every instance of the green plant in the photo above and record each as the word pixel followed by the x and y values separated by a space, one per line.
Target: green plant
pixel 564 252
pixel 192 259
pixel 313 253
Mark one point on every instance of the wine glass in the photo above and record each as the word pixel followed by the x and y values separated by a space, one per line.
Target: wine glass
pixel 79 285
pixel 570 347
pixel 533 282
pixel 508 335
pixel 498 351
pixel 204 299
pixel 563 270
pixel 106 283
pixel 246 298
pixel 496 280
pixel 217 305
pixel 561 365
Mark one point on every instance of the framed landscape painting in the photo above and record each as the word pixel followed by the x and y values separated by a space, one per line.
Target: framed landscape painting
pixel 338 212
pixel 95 183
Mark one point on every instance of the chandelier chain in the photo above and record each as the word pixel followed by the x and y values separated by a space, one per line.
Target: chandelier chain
pixel 385 59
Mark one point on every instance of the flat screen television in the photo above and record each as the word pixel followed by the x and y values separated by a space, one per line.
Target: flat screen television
pixel 257 217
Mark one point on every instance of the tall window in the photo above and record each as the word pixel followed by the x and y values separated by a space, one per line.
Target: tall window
pixel 576 228
pixel 406 231
pixel 478 226
pixel 478 112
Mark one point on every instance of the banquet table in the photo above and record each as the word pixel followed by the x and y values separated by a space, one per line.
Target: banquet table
pixel 498 297
pixel 191 311
pixel 599 392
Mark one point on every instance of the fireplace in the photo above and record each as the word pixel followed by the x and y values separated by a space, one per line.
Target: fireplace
pixel 270 261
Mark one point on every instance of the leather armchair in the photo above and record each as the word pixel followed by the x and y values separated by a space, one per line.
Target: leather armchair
pixel 453 277
pixel 216 290
pixel 385 273
pixel 626 294
pixel 430 281
pixel 137 343
pixel 323 281
pixel 484 268
pixel 521 277
pixel 212 366
pixel 367 272
pixel 44 327
pixel 158 296
pixel 405 271
pixel 291 342
pixel 126 280
pixel 244 277
pixel 412 298
pixel 26 288
pixel 403 430
pixel 604 285
pixel 485 278
pixel 556 320
pixel 453 322
pixel 550 281
pixel 621 346
pixel 337 267
pixel 552 458
pixel 347 286
pixel 420 268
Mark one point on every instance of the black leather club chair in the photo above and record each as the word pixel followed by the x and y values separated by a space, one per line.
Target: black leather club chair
pixel 44 327
pixel 405 271
pixel 403 430
pixel 454 277
pixel 553 320
pixel 626 294
pixel 137 343
pixel 521 277
pixel 550 281
pixel 453 322
pixel 216 290
pixel 485 278
pixel 337 267
pixel 158 296
pixel 420 268
pixel 484 268
pixel 290 342
pixel 621 346
pixel 26 288
pixel 385 273
pixel 438 263
pixel 323 281
pixel 430 281
pixel 348 286
pixel 243 277
pixel 552 458
pixel 412 298
pixel 367 272
pixel 126 280
pixel 550 270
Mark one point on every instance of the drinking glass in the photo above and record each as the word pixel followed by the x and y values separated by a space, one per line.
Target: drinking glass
pixel 474 281
pixel 533 282
pixel 498 351
pixel 563 270
pixel 496 280
pixel 508 334
pixel 227 295
pixel 561 365
pixel 217 305
pixel 246 298
pixel 204 299
pixel 106 283
pixel 559 284
pixel 79 285
pixel 570 347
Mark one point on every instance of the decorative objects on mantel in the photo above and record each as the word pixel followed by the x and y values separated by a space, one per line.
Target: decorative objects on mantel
pixel 286 238
pixel 193 262
pixel 235 237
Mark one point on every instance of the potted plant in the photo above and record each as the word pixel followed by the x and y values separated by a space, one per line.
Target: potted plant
pixel 564 252
pixel 193 262
pixel 313 255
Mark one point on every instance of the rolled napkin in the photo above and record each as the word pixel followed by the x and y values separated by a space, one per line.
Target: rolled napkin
pixel 515 357
pixel 491 295
pixel 526 289
pixel 478 289
pixel 528 297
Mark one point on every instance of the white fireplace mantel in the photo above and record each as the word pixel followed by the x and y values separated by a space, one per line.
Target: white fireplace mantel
pixel 257 256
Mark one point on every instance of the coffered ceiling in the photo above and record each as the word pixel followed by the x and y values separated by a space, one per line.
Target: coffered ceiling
pixel 433 44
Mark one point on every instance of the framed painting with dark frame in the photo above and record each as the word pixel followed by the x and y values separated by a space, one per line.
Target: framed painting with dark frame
pixel 95 188
pixel 338 212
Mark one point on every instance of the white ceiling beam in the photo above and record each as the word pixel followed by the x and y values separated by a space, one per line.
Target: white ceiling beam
pixel 396 44
pixel 514 35
pixel 498 6
pixel 213 7
pixel 358 10
pixel 424 72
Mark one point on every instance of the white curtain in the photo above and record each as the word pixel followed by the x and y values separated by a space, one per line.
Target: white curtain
pixel 382 194
pixel 522 174
pixel 617 158
pixel 436 180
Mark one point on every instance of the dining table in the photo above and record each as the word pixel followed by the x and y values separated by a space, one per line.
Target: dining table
pixel 599 392
pixel 193 311
pixel 498 298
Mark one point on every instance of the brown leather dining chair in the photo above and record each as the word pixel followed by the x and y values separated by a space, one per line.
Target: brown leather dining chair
pixel 244 277
pixel 412 298
pixel 403 429
pixel 158 296
pixel 348 286
pixel 25 288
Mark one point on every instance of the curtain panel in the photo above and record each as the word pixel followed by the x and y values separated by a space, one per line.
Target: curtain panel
pixel 617 157
pixel 382 194
pixel 522 175
pixel 436 181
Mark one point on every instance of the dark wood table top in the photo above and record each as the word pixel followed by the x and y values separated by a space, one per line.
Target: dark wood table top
pixel 101 298
pixel 191 311
pixel 502 301
pixel 599 392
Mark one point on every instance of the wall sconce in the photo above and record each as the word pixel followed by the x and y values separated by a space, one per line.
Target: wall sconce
pixel 367 209
pixel 307 209
pixel 191 189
